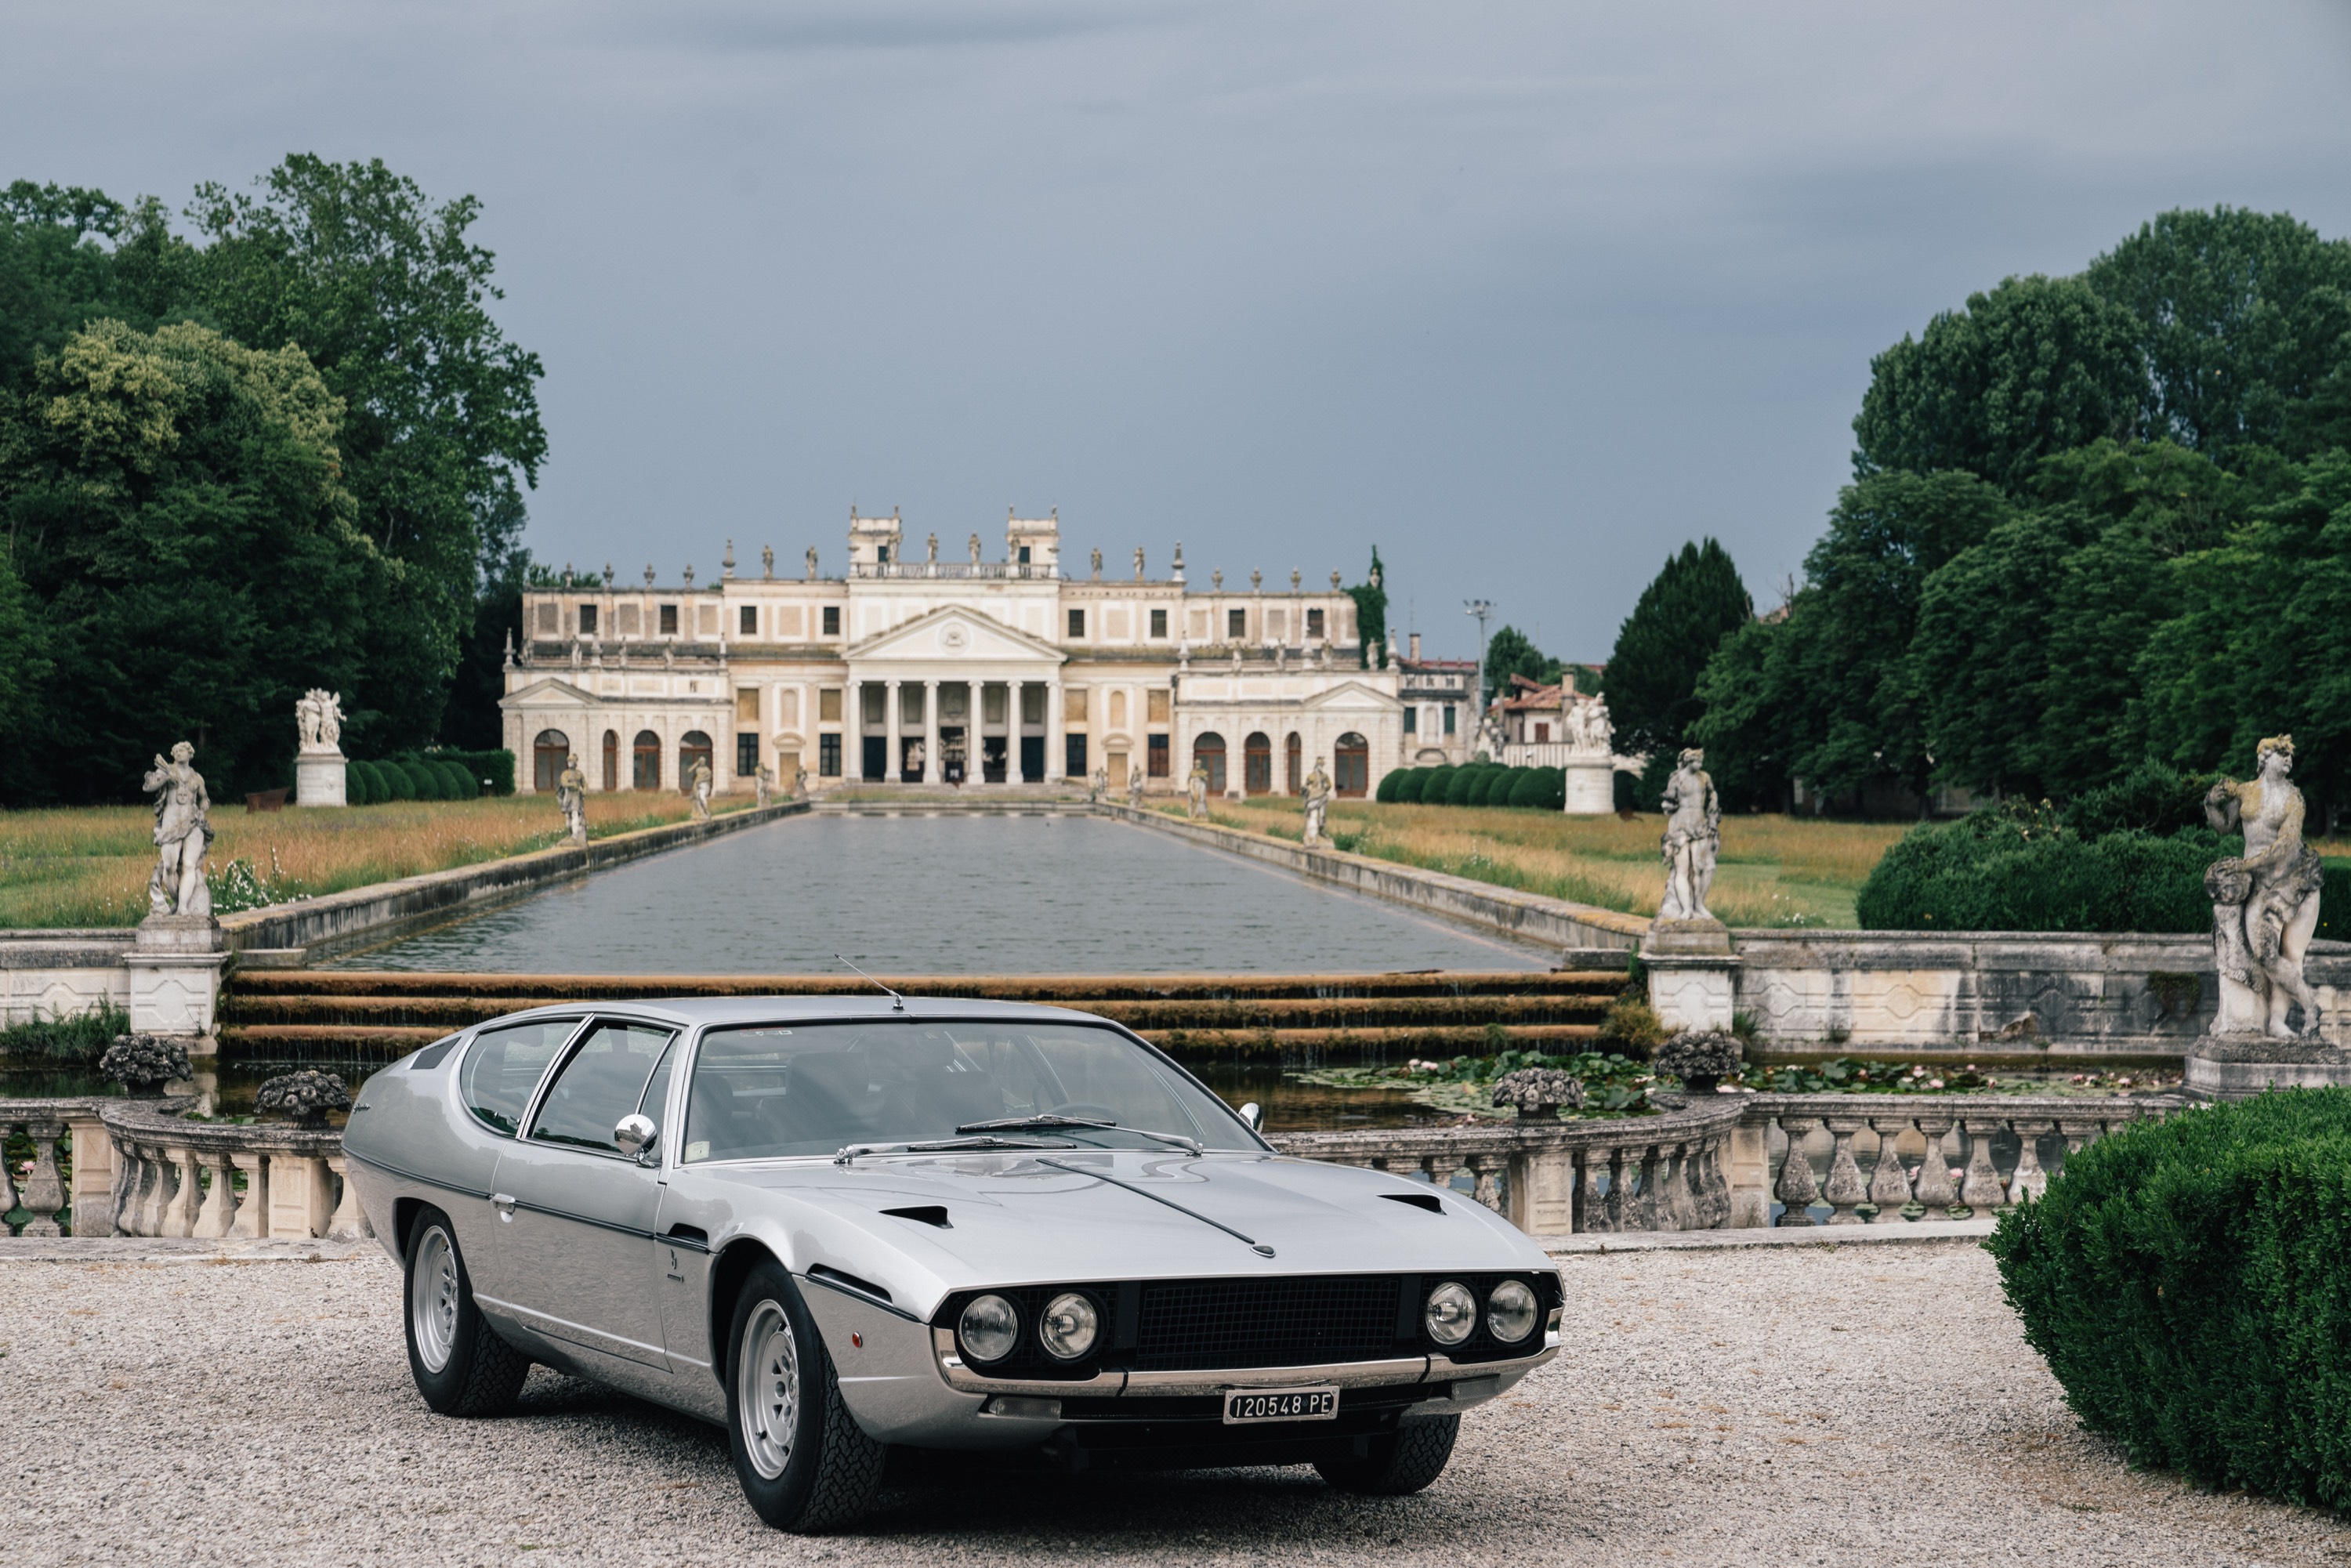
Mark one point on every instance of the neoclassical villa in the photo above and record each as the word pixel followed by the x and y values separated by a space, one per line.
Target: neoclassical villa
pixel 914 669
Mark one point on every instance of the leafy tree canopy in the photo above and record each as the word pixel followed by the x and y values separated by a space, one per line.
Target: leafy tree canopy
pixel 1681 617
pixel 1371 596
pixel 1511 651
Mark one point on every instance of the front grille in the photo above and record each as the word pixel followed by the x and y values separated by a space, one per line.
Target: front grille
pixel 1191 1325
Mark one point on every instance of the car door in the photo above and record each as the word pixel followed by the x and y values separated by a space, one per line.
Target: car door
pixel 497 1081
pixel 577 1214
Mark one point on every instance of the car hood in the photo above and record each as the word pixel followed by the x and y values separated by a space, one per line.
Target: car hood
pixel 1014 1218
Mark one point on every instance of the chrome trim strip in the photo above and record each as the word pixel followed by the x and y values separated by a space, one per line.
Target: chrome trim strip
pixel 1345 1373
pixel 857 1295
pixel 958 1376
pixel 392 1170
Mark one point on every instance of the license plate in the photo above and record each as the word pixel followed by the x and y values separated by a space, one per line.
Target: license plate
pixel 1244 1406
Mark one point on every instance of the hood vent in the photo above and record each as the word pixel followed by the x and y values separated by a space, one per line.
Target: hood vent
pixel 1427 1201
pixel 924 1214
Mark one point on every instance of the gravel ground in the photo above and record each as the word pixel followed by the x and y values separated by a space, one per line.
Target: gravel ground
pixel 1868 1405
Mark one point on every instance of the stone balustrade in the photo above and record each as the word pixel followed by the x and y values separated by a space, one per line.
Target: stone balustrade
pixel 66 1188
pixel 170 1176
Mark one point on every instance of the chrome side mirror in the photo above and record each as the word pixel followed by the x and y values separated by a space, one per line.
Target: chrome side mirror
pixel 635 1135
pixel 1254 1114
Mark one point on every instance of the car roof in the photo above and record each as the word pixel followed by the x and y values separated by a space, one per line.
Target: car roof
pixel 690 1011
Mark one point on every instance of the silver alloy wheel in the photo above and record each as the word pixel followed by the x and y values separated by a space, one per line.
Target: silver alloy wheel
pixel 432 1300
pixel 767 1389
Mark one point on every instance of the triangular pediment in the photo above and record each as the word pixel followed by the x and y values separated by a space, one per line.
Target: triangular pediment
pixel 955 635
pixel 1352 697
pixel 547 692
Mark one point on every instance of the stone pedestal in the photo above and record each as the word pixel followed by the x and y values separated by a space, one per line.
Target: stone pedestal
pixel 175 968
pixel 2238 1067
pixel 1590 787
pixel 1693 974
pixel 319 778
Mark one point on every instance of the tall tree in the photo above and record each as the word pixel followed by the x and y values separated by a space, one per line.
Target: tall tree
pixel 1512 652
pixel 391 300
pixel 2241 317
pixel 1371 596
pixel 1651 682
pixel 2034 367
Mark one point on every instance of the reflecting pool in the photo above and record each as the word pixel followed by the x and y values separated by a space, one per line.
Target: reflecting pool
pixel 908 892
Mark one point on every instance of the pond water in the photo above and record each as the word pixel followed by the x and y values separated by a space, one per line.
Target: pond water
pixel 910 892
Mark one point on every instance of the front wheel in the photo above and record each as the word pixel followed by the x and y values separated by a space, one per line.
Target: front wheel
pixel 460 1365
pixel 805 1464
pixel 1403 1461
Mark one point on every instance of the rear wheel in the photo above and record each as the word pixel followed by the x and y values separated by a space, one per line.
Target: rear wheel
pixel 805 1464
pixel 460 1365
pixel 1403 1461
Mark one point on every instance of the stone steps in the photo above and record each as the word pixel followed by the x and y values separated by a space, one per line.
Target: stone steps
pixel 378 1015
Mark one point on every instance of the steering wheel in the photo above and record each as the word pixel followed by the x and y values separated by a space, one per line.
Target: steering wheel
pixel 1087 1109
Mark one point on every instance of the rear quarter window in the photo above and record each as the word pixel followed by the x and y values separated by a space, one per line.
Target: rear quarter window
pixel 506 1065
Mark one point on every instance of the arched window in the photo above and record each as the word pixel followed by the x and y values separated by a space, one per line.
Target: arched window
pixel 1293 757
pixel 612 760
pixel 647 774
pixel 547 755
pixel 1208 751
pixel 1257 764
pixel 1352 769
pixel 692 747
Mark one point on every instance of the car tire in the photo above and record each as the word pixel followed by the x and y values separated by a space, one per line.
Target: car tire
pixel 1400 1462
pixel 460 1365
pixel 805 1464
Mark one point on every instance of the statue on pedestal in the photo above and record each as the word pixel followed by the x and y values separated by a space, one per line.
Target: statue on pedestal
pixel 766 781
pixel 1693 833
pixel 1196 791
pixel 1135 785
pixel 1098 786
pixel 182 833
pixel 800 783
pixel 1318 805
pixel 698 779
pixel 319 715
pixel 571 795
pixel 2265 903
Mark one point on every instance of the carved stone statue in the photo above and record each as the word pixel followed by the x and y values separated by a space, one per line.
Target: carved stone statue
pixel 1135 785
pixel 975 549
pixel 1196 789
pixel 698 779
pixel 1097 563
pixel 1138 563
pixel 1693 833
pixel 1097 785
pixel 933 557
pixel 319 715
pixel 767 566
pixel 2265 903
pixel 811 563
pixel 1318 804
pixel 182 833
pixel 766 781
pixel 571 795
pixel 800 783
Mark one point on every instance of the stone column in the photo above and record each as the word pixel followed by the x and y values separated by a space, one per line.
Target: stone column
pixel 852 729
pixel 252 1220
pixel 93 1176
pixel 349 1221
pixel 297 1197
pixel 1012 774
pixel 1693 974
pixel 932 765
pixel 45 1193
pixel 1056 758
pixel 218 1215
pixel 892 758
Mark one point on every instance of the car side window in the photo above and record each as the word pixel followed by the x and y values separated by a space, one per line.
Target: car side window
pixel 605 1080
pixel 506 1065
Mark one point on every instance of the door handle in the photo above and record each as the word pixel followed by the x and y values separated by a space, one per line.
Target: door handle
pixel 503 1203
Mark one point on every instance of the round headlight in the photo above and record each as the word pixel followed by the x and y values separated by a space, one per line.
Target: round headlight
pixel 1451 1314
pixel 1511 1312
pixel 1069 1326
pixel 989 1329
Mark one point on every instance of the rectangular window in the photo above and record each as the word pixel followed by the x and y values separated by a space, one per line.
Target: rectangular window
pixel 1074 748
pixel 1156 708
pixel 882 554
pixel 1543 732
pixel 551 619
pixel 827 705
pixel 1159 624
pixel 669 620
pixel 1314 623
pixel 746 756
pixel 1024 555
pixel 1411 721
pixel 874 702
pixel 588 619
pixel 750 626
pixel 1032 702
pixel 833 619
pixel 1449 718
pixel 1156 751
pixel 1077 622
pixel 1235 625
pixel 1074 705
pixel 828 753
pixel 746 705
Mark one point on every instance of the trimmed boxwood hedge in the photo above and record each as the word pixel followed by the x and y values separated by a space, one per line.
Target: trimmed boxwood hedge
pixel 2189 1283
pixel 362 786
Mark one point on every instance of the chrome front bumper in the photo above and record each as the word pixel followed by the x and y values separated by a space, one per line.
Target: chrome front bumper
pixel 1402 1370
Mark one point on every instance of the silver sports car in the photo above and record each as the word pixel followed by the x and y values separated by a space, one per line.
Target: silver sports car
pixel 838 1226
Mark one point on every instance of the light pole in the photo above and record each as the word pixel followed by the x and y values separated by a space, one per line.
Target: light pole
pixel 1481 608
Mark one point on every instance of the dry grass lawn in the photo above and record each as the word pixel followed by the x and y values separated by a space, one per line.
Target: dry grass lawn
pixel 89 866
pixel 1773 869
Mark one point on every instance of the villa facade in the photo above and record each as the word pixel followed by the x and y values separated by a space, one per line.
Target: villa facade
pixel 918 670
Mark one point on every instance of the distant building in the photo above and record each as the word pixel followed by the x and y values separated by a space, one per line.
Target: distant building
pixel 911 668
pixel 1438 700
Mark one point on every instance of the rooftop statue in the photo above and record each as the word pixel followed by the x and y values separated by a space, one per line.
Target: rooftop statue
pixel 182 833
pixel 2265 903
pixel 1693 833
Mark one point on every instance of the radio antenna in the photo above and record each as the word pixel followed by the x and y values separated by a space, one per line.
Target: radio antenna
pixel 897 1002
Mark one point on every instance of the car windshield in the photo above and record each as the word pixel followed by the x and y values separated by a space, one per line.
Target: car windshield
pixel 772 1091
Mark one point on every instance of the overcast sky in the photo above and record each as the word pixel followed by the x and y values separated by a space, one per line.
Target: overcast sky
pixel 1526 294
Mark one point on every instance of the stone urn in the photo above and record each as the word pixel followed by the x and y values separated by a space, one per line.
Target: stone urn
pixel 1700 1058
pixel 304 1098
pixel 146 1064
pixel 1538 1092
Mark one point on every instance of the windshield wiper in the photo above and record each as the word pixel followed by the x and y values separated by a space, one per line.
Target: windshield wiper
pixel 947 1145
pixel 1039 1123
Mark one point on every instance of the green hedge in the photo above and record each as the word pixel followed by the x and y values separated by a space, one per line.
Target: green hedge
pixel 1541 789
pixel 1477 784
pixel 1407 782
pixel 2189 1283
pixel 362 786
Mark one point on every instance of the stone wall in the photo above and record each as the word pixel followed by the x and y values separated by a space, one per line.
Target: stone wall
pixel 60 974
